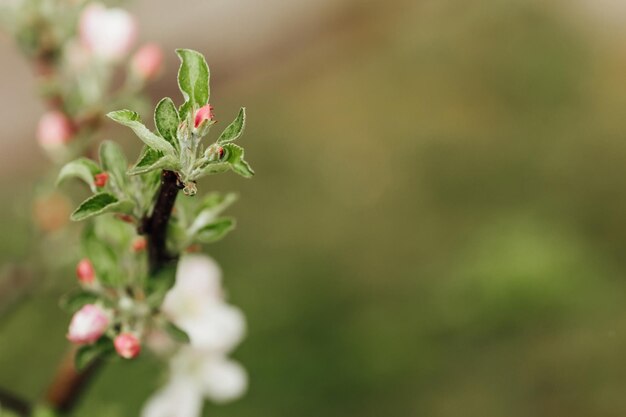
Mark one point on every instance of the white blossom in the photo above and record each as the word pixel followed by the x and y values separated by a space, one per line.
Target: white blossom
pixel 201 369
pixel 107 33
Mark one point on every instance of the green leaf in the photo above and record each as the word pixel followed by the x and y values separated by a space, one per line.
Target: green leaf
pixel 216 202
pixel 209 208
pixel 193 77
pixel 114 162
pixel 235 129
pixel 131 119
pixel 73 302
pixel 82 168
pixel 166 120
pixel 159 284
pixel 176 333
pixel 183 111
pixel 151 160
pixel 99 204
pixel 98 247
pixel 213 168
pixel 215 230
pixel 88 353
pixel 235 158
pixel 39 411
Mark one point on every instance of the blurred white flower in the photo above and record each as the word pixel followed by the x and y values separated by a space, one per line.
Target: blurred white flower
pixel 179 398
pixel 107 33
pixel 202 369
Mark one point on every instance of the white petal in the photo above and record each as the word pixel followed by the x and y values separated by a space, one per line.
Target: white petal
pixel 199 273
pixel 223 380
pixel 179 398
pixel 108 33
pixel 198 282
pixel 217 328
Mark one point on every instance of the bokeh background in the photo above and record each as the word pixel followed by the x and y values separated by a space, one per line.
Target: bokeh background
pixel 437 226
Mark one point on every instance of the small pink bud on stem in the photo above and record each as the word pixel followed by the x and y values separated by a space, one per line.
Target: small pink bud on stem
pixel 55 129
pixel 126 218
pixel 85 272
pixel 127 345
pixel 88 324
pixel 139 244
pixel 147 61
pixel 101 179
pixel 204 113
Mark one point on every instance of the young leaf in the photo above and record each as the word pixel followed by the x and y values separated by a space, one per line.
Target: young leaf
pixel 151 160
pixel 82 168
pixel 212 168
pixel 131 119
pixel 215 231
pixel 166 120
pixel 183 111
pixel 176 333
pixel 158 285
pixel 88 353
pixel 215 203
pixel 114 162
pixel 98 247
pixel 39 411
pixel 193 77
pixel 236 161
pixel 74 301
pixel 235 129
pixel 99 204
pixel 210 207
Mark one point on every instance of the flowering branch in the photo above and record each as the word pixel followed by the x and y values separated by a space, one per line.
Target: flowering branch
pixel 136 226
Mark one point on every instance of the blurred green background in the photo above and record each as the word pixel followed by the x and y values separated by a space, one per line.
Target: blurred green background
pixel 437 224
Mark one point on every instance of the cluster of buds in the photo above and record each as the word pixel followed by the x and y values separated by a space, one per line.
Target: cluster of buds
pixel 93 321
pixel 105 38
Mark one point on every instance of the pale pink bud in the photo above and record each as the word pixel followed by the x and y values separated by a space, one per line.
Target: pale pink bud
pixel 139 244
pixel 100 180
pixel 107 33
pixel 85 271
pixel 204 113
pixel 55 129
pixel 127 345
pixel 88 324
pixel 147 61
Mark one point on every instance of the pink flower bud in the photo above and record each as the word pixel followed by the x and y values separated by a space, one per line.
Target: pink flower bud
pixel 107 33
pixel 127 345
pixel 85 272
pixel 88 324
pixel 147 61
pixel 204 113
pixel 101 179
pixel 55 129
pixel 139 244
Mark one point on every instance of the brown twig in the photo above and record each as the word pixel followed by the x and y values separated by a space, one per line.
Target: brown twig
pixel 12 402
pixel 68 384
pixel 155 226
